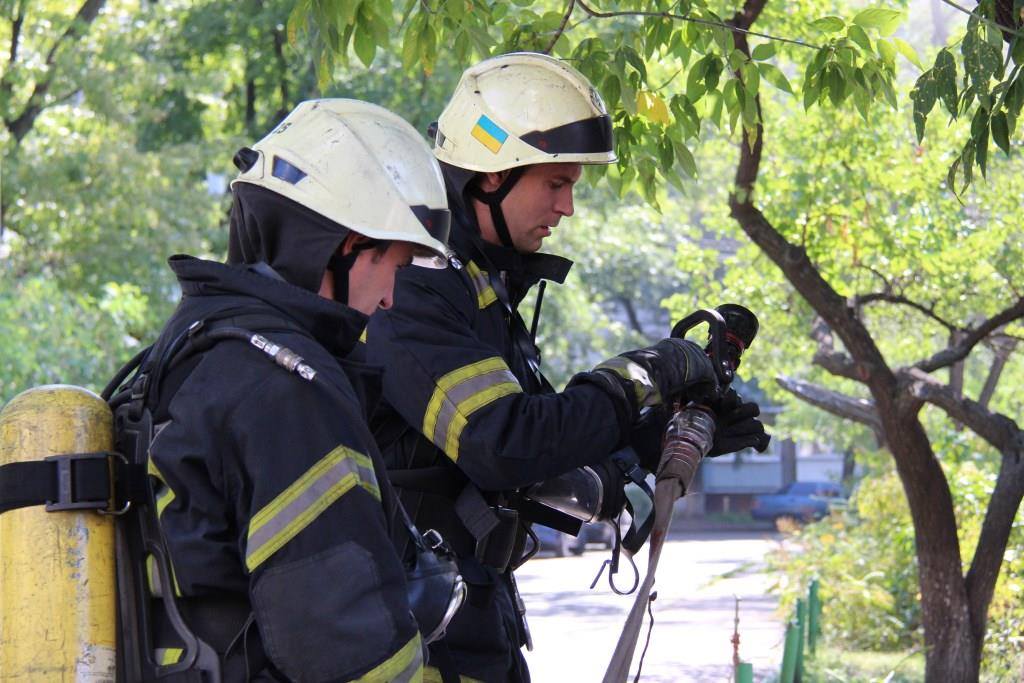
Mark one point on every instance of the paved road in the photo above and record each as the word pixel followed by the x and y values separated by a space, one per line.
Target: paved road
pixel 575 629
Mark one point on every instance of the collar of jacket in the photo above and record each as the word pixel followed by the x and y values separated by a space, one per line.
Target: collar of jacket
pixel 524 270
pixel 335 326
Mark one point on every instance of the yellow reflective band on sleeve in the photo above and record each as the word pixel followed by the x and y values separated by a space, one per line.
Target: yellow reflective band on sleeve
pixel 646 392
pixel 168 655
pixel 462 392
pixel 485 295
pixel 405 666
pixel 302 502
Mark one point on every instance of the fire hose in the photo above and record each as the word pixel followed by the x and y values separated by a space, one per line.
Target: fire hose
pixel 688 438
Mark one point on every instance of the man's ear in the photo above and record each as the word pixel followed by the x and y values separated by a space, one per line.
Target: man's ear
pixel 351 241
pixel 489 182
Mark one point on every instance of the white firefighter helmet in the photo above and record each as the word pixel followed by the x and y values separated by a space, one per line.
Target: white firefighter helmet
pixel 520 109
pixel 361 166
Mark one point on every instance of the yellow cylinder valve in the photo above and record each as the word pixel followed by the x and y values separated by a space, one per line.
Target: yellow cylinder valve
pixel 57 573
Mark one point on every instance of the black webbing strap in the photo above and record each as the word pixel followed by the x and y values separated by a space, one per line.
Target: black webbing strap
pixel 538 513
pixel 74 481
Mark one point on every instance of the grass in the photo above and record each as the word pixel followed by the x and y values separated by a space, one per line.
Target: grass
pixel 834 665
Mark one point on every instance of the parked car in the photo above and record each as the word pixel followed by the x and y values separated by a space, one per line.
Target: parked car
pixel 554 541
pixel 801 500
pixel 592 534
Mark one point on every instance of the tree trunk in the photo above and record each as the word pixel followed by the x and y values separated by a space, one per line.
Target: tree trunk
pixel 952 652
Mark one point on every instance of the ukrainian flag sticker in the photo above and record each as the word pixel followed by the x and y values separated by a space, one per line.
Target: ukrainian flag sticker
pixel 489 134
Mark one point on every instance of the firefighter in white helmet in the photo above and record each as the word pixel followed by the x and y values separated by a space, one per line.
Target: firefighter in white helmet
pixel 270 492
pixel 472 421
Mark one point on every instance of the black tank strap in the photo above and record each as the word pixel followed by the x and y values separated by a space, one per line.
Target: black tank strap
pixel 72 481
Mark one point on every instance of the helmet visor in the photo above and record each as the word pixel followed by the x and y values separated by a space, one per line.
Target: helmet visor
pixel 437 223
pixel 589 136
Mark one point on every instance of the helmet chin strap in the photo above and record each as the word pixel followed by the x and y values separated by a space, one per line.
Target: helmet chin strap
pixel 494 199
pixel 340 265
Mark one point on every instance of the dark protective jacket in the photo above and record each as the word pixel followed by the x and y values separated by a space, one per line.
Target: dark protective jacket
pixel 272 493
pixel 462 397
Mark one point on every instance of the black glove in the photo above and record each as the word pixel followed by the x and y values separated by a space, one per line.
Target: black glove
pixel 737 426
pixel 671 369
pixel 654 376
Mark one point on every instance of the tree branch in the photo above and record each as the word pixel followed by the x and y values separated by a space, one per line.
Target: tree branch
pixel 634 320
pixel 561 27
pixel 1002 347
pixel 16 25
pixel 862 299
pixel 836 362
pixel 20 126
pixel 951 355
pixel 995 533
pixel 847 407
pixel 6 84
pixel 998 430
pixel 695 20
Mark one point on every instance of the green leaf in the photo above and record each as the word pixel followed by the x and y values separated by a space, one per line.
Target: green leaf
pixel 666 157
pixel 812 91
pixel 774 75
pixel 1001 132
pixel 945 80
pixel 886 21
pixel 763 51
pixel 968 166
pixel 829 24
pixel 923 96
pixel 860 37
pixel 635 60
pixel 908 51
pixel 695 87
pixel 411 45
pixel 715 109
pixel 751 78
pixel 887 52
pixel 684 158
pixel 364 45
pixel 862 100
pixel 835 83
pixel 713 72
pixel 347 13
pixel 979 133
pixel 981 60
pixel 1018 51
pixel 611 90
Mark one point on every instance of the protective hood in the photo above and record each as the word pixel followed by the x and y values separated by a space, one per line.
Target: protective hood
pixel 294 240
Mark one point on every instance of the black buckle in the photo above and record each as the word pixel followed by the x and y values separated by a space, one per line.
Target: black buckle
pixel 66 476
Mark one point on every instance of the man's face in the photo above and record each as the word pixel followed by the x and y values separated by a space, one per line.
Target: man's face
pixel 534 206
pixel 371 280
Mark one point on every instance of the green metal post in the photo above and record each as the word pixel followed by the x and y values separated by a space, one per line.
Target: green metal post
pixel 789 653
pixel 813 617
pixel 801 625
pixel 745 673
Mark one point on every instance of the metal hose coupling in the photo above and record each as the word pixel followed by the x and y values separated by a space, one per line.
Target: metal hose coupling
pixel 283 356
pixel 688 438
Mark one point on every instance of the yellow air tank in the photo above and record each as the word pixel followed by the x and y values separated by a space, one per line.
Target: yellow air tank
pixel 57 576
